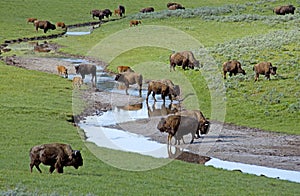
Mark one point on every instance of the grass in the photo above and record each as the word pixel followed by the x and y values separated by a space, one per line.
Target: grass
pixel 36 106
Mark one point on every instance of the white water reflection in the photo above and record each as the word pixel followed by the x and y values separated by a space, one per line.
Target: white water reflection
pixel 78 33
pixel 293 176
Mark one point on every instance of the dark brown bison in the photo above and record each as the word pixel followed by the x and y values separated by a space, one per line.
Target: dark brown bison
pixel 84 69
pixel 192 60
pixel 124 69
pixel 174 6
pixel 264 68
pixel 122 10
pixel 31 20
pixel 61 24
pixel 97 13
pixel 56 155
pixel 130 78
pixel 204 124
pixel 46 25
pixel 178 126
pixel 134 22
pixel 157 87
pixel 178 59
pixel 147 9
pixel 286 9
pixel 233 67
pixel 62 70
pixel 107 13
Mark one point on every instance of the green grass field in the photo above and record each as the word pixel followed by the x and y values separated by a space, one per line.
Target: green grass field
pixel 35 107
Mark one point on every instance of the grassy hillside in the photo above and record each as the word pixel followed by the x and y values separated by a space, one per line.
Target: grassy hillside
pixel 35 106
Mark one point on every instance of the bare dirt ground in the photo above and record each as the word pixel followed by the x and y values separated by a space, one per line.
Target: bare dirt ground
pixel 224 141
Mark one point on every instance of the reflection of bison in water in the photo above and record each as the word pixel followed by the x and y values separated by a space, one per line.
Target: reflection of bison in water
pixel 163 111
pixel 286 9
pixel 84 69
pixel 46 25
pixel 178 126
pixel 233 67
pixel 56 155
pixel 130 78
pixel 264 68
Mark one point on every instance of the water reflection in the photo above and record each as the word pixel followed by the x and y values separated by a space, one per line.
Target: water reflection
pixel 160 109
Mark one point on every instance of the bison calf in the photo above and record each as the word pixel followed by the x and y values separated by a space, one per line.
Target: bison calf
pixel 77 82
pixel 122 69
pixel 178 126
pixel 264 68
pixel 56 155
pixel 233 67
pixel 62 70
pixel 135 22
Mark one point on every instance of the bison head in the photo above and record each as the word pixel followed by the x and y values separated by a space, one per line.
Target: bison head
pixel 77 69
pixel 205 127
pixel 76 159
pixel 273 70
pixel 161 125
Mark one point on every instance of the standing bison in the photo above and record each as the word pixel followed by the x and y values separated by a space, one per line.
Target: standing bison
pixel 286 9
pixel 158 87
pixel 147 9
pixel 130 78
pixel 178 59
pixel 56 155
pixel 46 25
pixel 264 68
pixel 192 60
pixel 233 67
pixel 177 126
pixel 84 69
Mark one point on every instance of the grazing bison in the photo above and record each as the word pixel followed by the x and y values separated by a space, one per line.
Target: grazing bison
pixel 174 88
pixel 77 82
pixel 107 13
pixel 157 87
pixel 233 67
pixel 178 59
pixel 130 78
pixel 84 69
pixel 178 126
pixel 147 9
pixel 46 25
pixel 286 9
pixel 174 6
pixel 122 69
pixel 192 60
pixel 61 24
pixel 134 22
pixel 56 155
pixel 31 20
pixel 97 13
pixel 264 68
pixel 204 124
pixel 62 70
pixel 122 10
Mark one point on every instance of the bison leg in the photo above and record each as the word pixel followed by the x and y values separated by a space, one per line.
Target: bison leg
pixel 256 77
pixel 60 170
pixel 153 95
pixel 230 74
pixel 52 168
pixel 140 90
pixel 149 92
pixel 36 164
pixel 224 74
pixel 169 139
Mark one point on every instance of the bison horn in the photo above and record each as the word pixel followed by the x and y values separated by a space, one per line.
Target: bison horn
pixel 76 152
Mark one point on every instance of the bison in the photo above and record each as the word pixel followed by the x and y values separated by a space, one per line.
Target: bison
pixel 147 9
pixel 77 82
pixel 192 60
pixel 61 24
pixel 31 20
pixel 178 126
pixel 204 124
pixel 62 70
pixel 124 69
pixel 130 78
pixel 178 59
pixel 157 87
pixel 97 13
pixel 84 69
pixel 56 155
pixel 174 6
pixel 264 68
pixel 46 25
pixel 107 13
pixel 122 10
pixel 134 22
pixel 286 9
pixel 233 67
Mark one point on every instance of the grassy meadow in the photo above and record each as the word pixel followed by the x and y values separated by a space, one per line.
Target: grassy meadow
pixel 35 107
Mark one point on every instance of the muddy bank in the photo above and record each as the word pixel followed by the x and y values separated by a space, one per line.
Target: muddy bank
pixel 224 141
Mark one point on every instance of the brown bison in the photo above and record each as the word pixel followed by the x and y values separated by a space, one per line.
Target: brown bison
pixel 264 68
pixel 117 12
pixel 192 60
pixel 77 82
pixel 177 126
pixel 147 9
pixel 56 155
pixel 84 69
pixel 46 25
pixel 124 69
pixel 61 24
pixel 31 20
pixel 107 13
pixel 173 87
pixel 233 67
pixel 134 22
pixel 174 6
pixel 204 124
pixel 62 70
pixel 286 9
pixel 178 59
pixel 157 87
pixel 130 78
pixel 97 13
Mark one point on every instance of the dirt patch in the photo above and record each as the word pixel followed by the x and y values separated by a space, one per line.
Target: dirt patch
pixel 224 141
